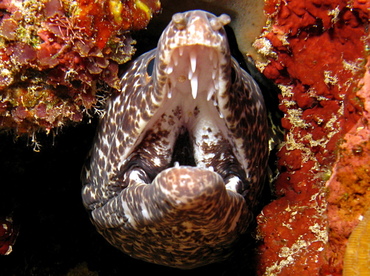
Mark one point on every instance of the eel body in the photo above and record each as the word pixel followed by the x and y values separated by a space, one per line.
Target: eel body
pixel 181 152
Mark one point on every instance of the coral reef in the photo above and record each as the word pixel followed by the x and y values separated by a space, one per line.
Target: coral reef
pixel 349 193
pixel 54 54
pixel 8 234
pixel 316 53
pixel 357 259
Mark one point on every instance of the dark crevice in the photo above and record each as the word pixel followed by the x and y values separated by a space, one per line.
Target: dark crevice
pixel 183 151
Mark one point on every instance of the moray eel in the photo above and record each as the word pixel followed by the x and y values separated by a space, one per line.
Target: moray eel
pixel 141 194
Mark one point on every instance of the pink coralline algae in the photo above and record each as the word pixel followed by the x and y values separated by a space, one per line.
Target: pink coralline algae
pixel 55 54
pixel 349 193
pixel 315 51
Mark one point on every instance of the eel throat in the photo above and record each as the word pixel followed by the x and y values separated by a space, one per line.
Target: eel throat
pixel 180 155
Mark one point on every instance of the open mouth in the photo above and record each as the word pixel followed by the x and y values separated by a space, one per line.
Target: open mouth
pixel 190 126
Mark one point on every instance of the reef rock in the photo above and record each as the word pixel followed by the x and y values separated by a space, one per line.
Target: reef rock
pixel 316 53
pixel 55 54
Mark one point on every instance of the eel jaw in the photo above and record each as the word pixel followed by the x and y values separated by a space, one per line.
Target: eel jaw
pixel 186 217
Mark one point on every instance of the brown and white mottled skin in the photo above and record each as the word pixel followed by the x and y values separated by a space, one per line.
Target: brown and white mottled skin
pixel 144 202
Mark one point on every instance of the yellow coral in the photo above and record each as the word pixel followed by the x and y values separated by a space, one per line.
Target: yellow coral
pixel 356 258
pixel 140 5
pixel 116 7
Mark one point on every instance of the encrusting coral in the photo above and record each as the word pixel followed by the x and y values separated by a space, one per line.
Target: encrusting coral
pixel 349 194
pixel 316 53
pixel 55 53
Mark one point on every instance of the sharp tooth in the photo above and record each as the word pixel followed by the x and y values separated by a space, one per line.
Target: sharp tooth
pixel 214 72
pixel 194 86
pixel 217 85
pixel 190 75
pixel 193 60
pixel 169 70
pixel 211 55
pixel 169 94
pixel 215 63
pixel 181 51
pixel 210 94
pixel 221 115
pixel 175 60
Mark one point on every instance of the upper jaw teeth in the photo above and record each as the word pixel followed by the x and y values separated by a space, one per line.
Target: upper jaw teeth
pixel 211 92
pixel 197 64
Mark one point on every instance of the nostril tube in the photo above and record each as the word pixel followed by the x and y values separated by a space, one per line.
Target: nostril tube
pixel 224 19
pixel 218 22
pixel 179 20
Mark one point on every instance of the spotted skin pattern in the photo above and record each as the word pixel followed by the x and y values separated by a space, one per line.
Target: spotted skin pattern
pixel 142 200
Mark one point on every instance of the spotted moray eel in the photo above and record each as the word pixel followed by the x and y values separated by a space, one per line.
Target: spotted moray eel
pixel 142 200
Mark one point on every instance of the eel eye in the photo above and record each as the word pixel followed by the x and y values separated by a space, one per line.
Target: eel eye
pixel 150 67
